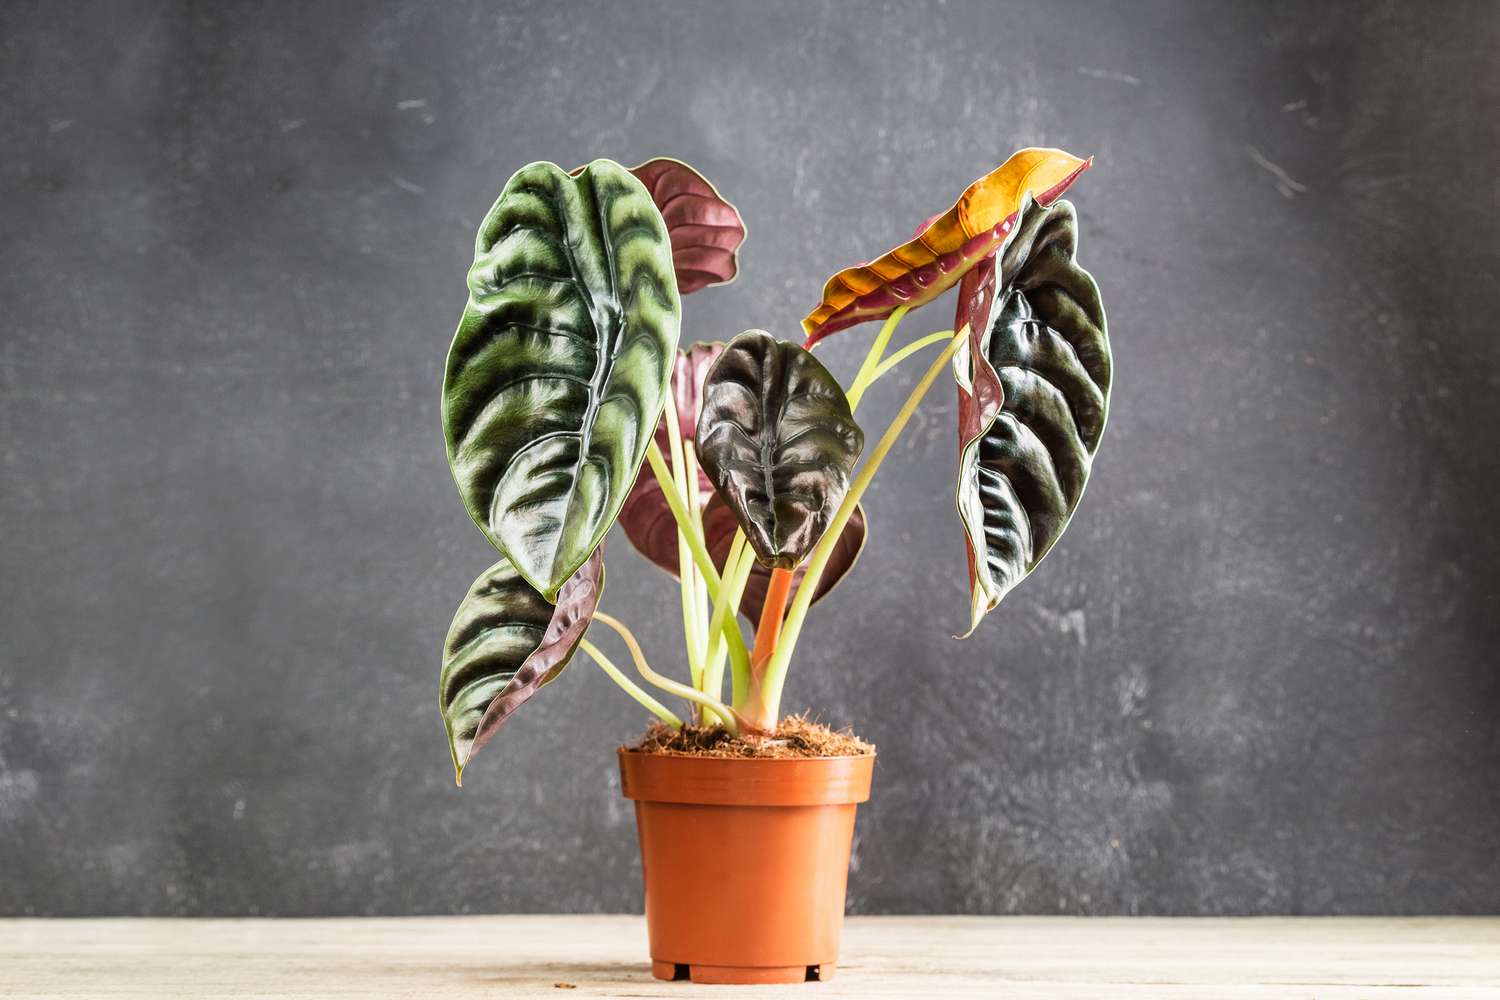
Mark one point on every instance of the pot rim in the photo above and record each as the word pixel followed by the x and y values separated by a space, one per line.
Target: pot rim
pixel 743 760
pixel 745 781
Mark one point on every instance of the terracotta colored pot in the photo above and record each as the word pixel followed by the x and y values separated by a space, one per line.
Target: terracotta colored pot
pixel 745 861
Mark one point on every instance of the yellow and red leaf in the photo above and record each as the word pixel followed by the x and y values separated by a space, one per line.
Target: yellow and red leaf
pixel 946 247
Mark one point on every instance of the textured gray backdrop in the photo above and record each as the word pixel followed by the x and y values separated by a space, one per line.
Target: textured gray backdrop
pixel 1258 675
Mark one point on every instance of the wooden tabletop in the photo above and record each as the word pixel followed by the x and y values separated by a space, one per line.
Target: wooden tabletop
pixel 605 956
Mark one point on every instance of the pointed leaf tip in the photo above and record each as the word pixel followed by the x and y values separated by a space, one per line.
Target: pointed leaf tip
pixel 946 246
pixel 1032 404
pixel 506 642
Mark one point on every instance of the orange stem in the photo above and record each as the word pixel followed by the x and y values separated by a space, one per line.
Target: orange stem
pixel 778 591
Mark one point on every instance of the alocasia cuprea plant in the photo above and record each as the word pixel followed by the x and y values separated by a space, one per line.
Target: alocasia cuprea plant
pixel 568 405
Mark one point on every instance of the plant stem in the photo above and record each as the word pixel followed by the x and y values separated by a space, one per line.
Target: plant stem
pixel 759 713
pixel 735 639
pixel 769 629
pixel 633 689
pixel 775 676
pixel 701 606
pixel 906 352
pixel 713 671
pixel 737 571
pixel 685 527
pixel 865 375
pixel 685 581
pixel 691 694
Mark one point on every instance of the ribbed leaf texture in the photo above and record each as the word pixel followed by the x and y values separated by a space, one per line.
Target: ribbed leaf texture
pixel 560 364
pixel 778 441
pixel 1034 377
pixel 506 641
pixel 648 522
pixel 706 230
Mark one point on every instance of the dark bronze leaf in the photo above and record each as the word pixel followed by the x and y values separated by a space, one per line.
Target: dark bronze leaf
pixel 778 441
pixel 1034 378
pixel 648 522
pixel 506 641
pixel 560 363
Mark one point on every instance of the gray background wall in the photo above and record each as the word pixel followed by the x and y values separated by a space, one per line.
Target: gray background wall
pixel 1258 675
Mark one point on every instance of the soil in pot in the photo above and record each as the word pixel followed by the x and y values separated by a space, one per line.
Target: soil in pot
pixel 797 736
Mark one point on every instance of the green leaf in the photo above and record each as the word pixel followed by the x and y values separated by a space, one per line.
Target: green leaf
pixel 558 372
pixel 778 441
pixel 706 230
pixel 506 641
pixel 1034 378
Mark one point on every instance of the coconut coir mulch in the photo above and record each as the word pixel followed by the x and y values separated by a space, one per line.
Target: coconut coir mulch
pixel 797 736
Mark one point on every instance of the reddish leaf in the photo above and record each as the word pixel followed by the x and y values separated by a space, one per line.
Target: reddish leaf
pixel 946 247
pixel 705 229
pixel 688 373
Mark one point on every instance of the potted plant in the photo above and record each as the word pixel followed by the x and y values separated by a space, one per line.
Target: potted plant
pixel 568 406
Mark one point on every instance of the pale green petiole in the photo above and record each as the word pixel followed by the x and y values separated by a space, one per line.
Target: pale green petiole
pixel 713 657
pixel 701 604
pixel 739 656
pixel 685 527
pixel 775 675
pixel 686 586
pixel 866 373
pixel 738 567
pixel 691 694
pixel 631 688
pixel 895 359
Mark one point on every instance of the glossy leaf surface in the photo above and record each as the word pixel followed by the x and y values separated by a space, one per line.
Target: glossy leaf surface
pixel 648 522
pixel 719 525
pixel 560 363
pixel 946 247
pixel 506 641
pixel 778 441
pixel 1034 378
pixel 706 230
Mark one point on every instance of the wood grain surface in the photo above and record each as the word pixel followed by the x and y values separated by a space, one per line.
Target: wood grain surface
pixel 605 956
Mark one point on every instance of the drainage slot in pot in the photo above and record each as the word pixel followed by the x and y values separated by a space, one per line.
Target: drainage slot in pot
pixel 815 974
pixel 681 972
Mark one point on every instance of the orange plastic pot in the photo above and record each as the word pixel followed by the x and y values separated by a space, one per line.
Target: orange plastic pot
pixel 746 862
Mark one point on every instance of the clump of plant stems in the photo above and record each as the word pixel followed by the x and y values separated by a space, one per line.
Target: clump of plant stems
pixel 739 467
